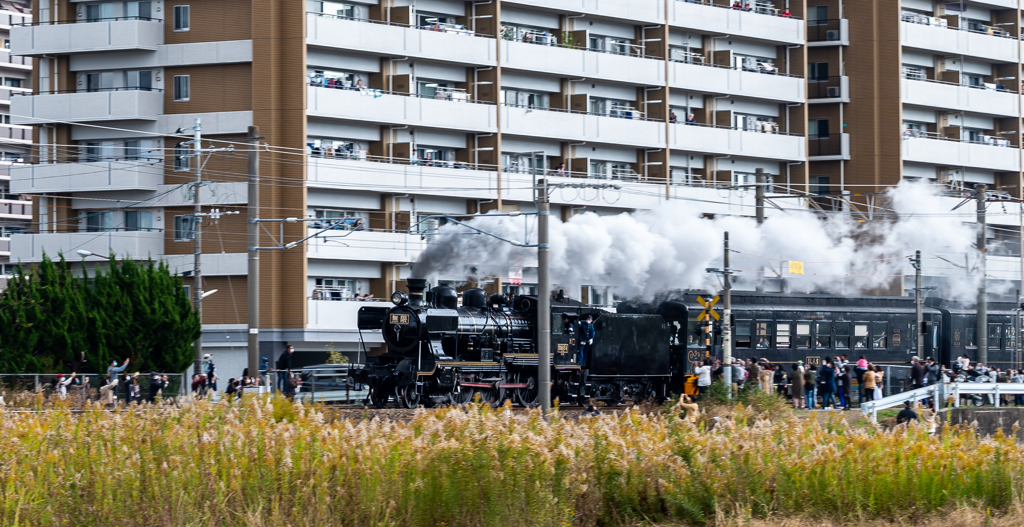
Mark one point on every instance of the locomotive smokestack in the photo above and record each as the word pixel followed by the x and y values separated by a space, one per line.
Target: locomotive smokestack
pixel 416 288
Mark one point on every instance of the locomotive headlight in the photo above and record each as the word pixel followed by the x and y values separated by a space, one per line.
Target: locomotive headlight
pixel 399 298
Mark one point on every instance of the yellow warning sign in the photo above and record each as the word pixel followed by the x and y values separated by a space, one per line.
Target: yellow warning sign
pixel 796 267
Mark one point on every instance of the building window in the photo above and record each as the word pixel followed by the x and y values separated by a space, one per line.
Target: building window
pixel 334 289
pixel 181 18
pixel 98 12
pixel 817 72
pixel 7 43
pixel 180 157
pixel 817 15
pixel 139 80
pixel 817 129
pixel 99 221
pixel 820 185
pixel 138 10
pixel 138 220
pixel 181 87
pixel 183 228
pixel 13 83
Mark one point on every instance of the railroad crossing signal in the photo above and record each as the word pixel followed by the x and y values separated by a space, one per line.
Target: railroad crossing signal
pixel 708 308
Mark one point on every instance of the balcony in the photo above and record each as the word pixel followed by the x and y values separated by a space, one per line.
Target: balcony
pixel 136 245
pixel 762 23
pixel 376 106
pixel 835 147
pixel 832 89
pixel 954 41
pixel 936 151
pixel 742 83
pixel 5 247
pixel 115 34
pixel 448 44
pixel 580 62
pixel 366 246
pixel 650 11
pixel 956 97
pixel 730 141
pixel 340 315
pixel 15 209
pixel 16 134
pixel 833 32
pixel 573 126
pixel 87 177
pixel 111 105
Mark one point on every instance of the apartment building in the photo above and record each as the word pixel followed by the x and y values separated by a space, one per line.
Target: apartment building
pixel 914 89
pixel 15 140
pixel 389 112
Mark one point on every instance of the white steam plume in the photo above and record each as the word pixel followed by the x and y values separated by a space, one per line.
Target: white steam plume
pixel 649 252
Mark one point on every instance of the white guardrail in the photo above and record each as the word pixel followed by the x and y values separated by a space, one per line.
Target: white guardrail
pixel 952 389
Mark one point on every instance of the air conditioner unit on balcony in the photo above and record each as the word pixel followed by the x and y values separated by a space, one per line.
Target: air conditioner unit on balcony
pixel 832 35
pixel 832 92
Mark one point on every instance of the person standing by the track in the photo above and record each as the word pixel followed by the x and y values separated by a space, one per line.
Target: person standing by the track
pixel 586 339
pixel 284 366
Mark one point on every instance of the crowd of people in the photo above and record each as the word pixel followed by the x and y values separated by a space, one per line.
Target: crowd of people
pixel 829 385
pixel 119 385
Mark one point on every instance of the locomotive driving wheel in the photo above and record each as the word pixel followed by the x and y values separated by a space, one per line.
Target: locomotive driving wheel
pixel 530 395
pixel 407 395
pixel 380 394
pixel 461 397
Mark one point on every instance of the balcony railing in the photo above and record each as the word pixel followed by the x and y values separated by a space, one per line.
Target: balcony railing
pixel 89 20
pixel 91 90
pixel 828 88
pixel 825 146
pixel 917 76
pixel 981 29
pixel 544 38
pixel 751 6
pixel 985 140
pixel 765 68
pixel 824 30
pixel 446 94
pixel 18 60
pixel 615 112
pixel 455 29
pixel 20 134
pixel 15 207
pixel 773 128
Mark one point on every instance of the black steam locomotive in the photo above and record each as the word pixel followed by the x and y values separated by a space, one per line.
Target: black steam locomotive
pixel 440 352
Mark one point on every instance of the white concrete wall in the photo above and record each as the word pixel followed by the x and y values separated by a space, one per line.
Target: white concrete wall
pixel 959 98
pixel 951 41
pixel 953 153
pixel 350 35
pixel 745 24
pixel 736 82
pixel 570 62
pixel 737 142
pixel 84 177
pixel 582 127
pixel 87 106
pixel 87 37
pixel 135 245
pixel 400 110
pixel 648 11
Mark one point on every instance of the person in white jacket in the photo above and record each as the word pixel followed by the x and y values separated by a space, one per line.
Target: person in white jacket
pixel 62 385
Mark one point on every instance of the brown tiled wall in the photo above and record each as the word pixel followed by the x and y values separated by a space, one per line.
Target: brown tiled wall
pixel 212 20
pixel 229 304
pixel 227 235
pixel 219 88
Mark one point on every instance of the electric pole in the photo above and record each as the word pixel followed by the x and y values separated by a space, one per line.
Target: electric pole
pixel 919 304
pixel 727 321
pixel 982 329
pixel 544 299
pixel 759 196
pixel 253 232
pixel 197 230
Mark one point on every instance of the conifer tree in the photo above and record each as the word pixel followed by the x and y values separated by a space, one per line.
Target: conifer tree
pixel 51 320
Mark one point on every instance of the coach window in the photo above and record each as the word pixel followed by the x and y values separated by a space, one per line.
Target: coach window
pixel 823 335
pixel 782 335
pixel 878 336
pixel 994 334
pixel 842 335
pixel 860 336
pixel 969 341
pixel 764 335
pixel 1011 337
pixel 803 335
pixel 742 333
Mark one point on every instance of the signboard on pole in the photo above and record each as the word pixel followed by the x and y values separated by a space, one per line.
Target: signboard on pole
pixel 515 276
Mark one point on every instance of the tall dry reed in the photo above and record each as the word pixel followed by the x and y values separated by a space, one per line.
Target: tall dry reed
pixel 269 462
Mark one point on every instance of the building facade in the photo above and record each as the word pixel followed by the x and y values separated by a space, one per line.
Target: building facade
pixel 388 112
pixel 15 140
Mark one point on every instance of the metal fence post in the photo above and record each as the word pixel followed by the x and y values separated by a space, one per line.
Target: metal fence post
pixel 997 396
pixel 37 384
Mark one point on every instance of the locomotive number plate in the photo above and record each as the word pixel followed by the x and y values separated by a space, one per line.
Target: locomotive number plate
pixel 402 320
pixel 563 349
